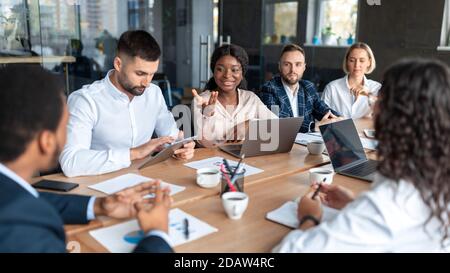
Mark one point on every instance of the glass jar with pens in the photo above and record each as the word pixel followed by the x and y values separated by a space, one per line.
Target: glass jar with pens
pixel 230 182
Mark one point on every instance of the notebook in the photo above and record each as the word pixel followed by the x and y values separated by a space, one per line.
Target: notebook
pixel 287 214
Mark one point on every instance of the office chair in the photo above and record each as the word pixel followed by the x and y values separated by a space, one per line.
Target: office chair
pixel 161 80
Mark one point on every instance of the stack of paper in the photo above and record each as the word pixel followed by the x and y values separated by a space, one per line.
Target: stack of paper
pixel 287 214
pixel 215 162
pixel 303 139
pixel 123 238
pixel 370 144
pixel 128 180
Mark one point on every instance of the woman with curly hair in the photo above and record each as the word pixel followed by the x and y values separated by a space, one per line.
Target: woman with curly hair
pixel 225 104
pixel 407 208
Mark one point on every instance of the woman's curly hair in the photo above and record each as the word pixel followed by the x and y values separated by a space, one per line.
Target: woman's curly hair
pixel 229 50
pixel 412 124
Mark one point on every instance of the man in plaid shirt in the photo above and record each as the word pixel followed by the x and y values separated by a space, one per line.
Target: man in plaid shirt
pixel 294 96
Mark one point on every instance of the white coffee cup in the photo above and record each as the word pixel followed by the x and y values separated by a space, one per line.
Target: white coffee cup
pixel 208 177
pixel 235 204
pixel 316 147
pixel 319 174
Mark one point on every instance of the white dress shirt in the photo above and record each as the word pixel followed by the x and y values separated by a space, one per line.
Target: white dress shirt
pixel 388 218
pixel 104 125
pixel 293 98
pixel 337 95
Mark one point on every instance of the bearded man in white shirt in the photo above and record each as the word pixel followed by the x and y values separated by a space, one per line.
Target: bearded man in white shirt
pixel 112 120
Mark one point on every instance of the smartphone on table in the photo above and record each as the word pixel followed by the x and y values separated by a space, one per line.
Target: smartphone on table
pixel 55 185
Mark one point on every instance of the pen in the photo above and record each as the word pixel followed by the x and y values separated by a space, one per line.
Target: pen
pixel 186 228
pixel 318 189
pixel 227 166
pixel 237 170
pixel 229 185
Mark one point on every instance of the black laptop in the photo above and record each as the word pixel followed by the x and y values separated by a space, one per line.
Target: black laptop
pixel 346 150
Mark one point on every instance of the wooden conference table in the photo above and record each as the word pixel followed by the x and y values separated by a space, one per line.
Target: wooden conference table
pixel 285 177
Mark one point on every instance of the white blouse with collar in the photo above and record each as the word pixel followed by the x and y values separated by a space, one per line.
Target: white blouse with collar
pixel 337 95
pixel 220 126
pixel 390 217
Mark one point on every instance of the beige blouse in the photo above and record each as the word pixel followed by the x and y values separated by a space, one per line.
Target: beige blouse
pixel 221 126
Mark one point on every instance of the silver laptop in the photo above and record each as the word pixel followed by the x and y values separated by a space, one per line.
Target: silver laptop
pixel 346 150
pixel 265 137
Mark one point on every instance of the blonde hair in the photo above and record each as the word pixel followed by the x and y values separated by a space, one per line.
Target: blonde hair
pixel 366 47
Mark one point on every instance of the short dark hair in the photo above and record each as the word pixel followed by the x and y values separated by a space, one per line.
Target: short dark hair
pixel 139 43
pixel 412 126
pixel 292 47
pixel 31 100
pixel 229 50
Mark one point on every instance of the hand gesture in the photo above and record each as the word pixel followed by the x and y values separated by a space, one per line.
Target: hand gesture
pixel 154 145
pixel 335 196
pixel 309 206
pixel 207 106
pixel 360 90
pixel 329 118
pixel 122 204
pixel 155 216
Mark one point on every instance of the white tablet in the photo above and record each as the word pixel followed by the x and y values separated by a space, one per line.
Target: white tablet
pixel 167 152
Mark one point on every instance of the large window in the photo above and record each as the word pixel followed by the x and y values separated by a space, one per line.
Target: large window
pixel 280 24
pixel 334 22
pixel 445 35
pixel 19 28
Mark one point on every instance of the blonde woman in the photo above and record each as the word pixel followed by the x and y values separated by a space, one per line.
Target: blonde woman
pixel 354 94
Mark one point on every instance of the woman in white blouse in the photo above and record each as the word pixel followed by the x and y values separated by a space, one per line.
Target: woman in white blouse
pixel 354 94
pixel 221 112
pixel 408 206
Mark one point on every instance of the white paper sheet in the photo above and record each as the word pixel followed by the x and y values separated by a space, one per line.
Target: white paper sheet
pixel 128 180
pixel 215 162
pixel 370 144
pixel 303 138
pixel 124 237
pixel 287 214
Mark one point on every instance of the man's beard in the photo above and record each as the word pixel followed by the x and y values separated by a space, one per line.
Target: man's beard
pixel 133 90
pixel 290 81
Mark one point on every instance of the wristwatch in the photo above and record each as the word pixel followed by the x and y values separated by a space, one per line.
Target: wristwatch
pixel 310 218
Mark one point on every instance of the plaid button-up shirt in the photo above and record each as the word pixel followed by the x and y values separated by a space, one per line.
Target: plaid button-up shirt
pixel 310 105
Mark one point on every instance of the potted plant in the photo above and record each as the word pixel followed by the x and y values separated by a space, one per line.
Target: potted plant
pixel 327 33
pixel 350 39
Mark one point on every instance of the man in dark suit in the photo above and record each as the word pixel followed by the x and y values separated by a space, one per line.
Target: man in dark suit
pixel 33 118
pixel 293 96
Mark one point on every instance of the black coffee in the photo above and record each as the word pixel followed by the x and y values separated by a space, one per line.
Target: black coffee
pixel 323 173
pixel 236 198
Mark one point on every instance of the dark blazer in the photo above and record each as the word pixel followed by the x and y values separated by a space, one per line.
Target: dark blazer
pixel 310 105
pixel 30 224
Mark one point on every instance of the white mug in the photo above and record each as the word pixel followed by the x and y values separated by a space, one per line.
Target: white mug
pixel 316 147
pixel 235 204
pixel 208 177
pixel 319 174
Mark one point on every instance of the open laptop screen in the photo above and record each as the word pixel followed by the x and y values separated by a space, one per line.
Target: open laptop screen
pixel 342 142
